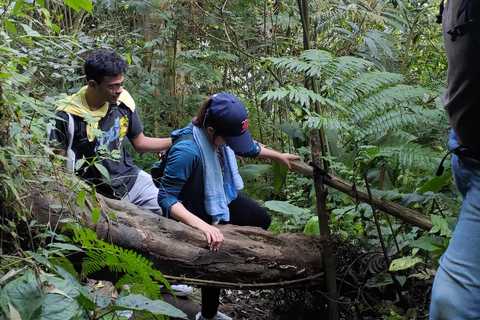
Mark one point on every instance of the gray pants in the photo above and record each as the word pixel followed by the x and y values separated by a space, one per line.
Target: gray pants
pixel 144 193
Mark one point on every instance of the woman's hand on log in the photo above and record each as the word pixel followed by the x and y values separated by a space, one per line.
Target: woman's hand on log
pixel 214 237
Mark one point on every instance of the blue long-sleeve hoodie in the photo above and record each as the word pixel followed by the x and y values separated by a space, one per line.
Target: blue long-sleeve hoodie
pixel 182 180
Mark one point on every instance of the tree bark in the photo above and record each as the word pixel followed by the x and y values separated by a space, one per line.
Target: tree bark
pixel 250 257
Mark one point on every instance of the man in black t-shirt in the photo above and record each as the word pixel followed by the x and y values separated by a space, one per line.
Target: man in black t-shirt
pixel 90 132
pixel 91 129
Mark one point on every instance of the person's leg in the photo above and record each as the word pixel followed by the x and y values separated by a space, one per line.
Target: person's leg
pixel 456 287
pixel 245 211
pixel 144 193
pixel 210 302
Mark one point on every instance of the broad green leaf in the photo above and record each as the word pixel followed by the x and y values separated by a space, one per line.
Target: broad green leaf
pixel 440 224
pixel 312 226
pixel 10 26
pixel 435 184
pixel 427 243
pixel 56 28
pixel 79 163
pixel 404 263
pixel 54 301
pixel 77 4
pixel 284 207
pixel 157 307
pixel 253 171
pixel 248 174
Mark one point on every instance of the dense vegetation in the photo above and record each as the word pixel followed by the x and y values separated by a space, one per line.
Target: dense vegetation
pixel 364 76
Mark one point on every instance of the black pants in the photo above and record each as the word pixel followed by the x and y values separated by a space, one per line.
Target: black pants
pixel 244 211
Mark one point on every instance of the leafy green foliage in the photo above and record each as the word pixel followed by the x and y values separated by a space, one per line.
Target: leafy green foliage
pixel 141 303
pixel 136 269
pixel 49 297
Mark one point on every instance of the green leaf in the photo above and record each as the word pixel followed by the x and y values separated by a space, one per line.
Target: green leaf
pixel 312 226
pixel 56 300
pixel 102 170
pixel 81 199
pixel 30 32
pixel 253 171
pixel 440 224
pixel 157 307
pixel 95 215
pixel 65 246
pixel 435 184
pixel 404 263
pixel 77 4
pixel 279 175
pixel 56 28
pixel 284 207
pixel 428 243
pixel 10 26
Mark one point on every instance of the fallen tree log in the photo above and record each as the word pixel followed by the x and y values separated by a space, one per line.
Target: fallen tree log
pixel 250 257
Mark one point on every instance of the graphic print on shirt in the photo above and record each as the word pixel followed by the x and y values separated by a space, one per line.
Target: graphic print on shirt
pixel 116 133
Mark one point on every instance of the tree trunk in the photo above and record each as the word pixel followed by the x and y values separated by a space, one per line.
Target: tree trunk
pixel 250 257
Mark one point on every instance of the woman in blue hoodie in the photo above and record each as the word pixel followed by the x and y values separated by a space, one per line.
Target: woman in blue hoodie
pixel 200 182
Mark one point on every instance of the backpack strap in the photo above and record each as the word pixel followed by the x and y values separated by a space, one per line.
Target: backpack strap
pixel 158 167
pixel 70 152
pixel 466 14
pixel 440 12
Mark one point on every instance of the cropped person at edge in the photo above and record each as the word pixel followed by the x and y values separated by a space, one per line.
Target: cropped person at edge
pixel 456 287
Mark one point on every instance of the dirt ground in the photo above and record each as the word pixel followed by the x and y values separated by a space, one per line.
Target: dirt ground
pixel 257 305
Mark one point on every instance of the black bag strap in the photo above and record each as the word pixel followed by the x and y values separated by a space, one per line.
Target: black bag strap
pixel 467 15
pixel 158 169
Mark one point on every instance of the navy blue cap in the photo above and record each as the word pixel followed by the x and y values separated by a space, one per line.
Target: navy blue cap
pixel 228 116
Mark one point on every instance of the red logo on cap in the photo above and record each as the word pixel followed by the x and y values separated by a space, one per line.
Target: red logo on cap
pixel 245 125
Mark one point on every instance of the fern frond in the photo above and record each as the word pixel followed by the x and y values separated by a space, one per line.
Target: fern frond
pixel 380 101
pixel 390 120
pixel 328 122
pixel 291 64
pixel 410 155
pixel 323 21
pixel 137 269
pixel 300 95
pixel 365 84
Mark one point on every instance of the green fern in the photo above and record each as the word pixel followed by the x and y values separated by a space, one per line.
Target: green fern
pixel 360 102
pixel 137 269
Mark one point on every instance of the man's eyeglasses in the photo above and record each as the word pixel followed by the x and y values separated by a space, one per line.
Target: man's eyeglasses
pixel 115 87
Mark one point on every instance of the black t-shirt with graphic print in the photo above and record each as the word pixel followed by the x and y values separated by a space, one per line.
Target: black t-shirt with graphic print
pixel 107 150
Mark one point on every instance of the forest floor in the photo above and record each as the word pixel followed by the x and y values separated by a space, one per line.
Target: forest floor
pixel 279 304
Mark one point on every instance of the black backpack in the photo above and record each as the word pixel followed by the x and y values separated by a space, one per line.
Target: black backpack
pixel 469 16
pixel 158 167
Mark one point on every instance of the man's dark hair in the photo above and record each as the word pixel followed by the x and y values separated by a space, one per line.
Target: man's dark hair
pixel 104 63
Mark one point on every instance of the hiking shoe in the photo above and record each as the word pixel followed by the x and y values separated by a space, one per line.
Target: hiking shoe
pixel 218 316
pixel 181 290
